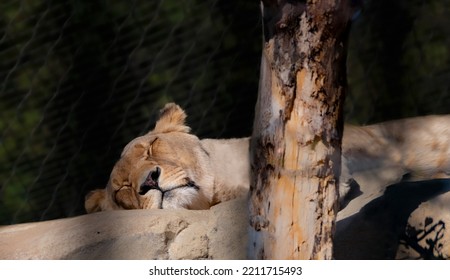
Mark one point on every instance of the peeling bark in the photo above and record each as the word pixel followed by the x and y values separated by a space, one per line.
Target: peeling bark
pixel 296 141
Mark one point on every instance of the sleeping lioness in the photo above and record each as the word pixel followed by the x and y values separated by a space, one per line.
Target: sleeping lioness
pixel 171 168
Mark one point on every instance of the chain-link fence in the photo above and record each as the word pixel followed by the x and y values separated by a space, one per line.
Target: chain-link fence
pixel 79 79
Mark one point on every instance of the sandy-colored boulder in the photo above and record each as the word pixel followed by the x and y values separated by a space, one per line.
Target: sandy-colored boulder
pixel 407 221
pixel 130 234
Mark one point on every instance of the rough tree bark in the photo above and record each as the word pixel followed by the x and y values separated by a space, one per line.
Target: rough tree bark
pixel 298 127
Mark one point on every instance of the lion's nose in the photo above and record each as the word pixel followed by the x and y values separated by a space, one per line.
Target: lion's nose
pixel 155 174
pixel 151 182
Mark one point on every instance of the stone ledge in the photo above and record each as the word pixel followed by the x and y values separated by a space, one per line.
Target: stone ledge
pixel 371 230
pixel 132 234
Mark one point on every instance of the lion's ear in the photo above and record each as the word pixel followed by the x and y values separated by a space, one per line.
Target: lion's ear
pixel 95 201
pixel 171 119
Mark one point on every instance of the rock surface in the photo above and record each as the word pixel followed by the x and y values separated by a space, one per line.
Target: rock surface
pixel 383 228
pixel 406 221
pixel 219 233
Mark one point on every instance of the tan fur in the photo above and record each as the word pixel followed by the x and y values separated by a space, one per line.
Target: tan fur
pixel 387 151
pixel 191 173
pixel 196 174
pixel 420 145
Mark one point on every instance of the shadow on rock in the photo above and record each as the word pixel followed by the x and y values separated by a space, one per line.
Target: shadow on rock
pixel 376 230
pixel 425 241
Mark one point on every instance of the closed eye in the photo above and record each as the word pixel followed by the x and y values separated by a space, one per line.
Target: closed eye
pixel 149 151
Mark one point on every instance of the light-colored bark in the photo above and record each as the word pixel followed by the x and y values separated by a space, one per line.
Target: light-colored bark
pixel 297 132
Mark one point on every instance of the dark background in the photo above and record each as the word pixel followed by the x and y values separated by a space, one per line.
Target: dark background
pixel 79 79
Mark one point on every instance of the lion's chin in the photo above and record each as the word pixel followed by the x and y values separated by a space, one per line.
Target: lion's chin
pixel 185 196
pixel 181 197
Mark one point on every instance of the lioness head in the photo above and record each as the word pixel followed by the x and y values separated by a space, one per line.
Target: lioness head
pixel 166 168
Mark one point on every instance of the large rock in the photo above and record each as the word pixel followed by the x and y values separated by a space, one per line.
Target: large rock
pixel 219 233
pixel 406 221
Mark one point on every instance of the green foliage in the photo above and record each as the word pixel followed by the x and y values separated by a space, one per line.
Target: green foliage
pixel 399 61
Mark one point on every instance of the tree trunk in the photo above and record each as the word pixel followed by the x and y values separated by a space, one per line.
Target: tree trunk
pixel 296 141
